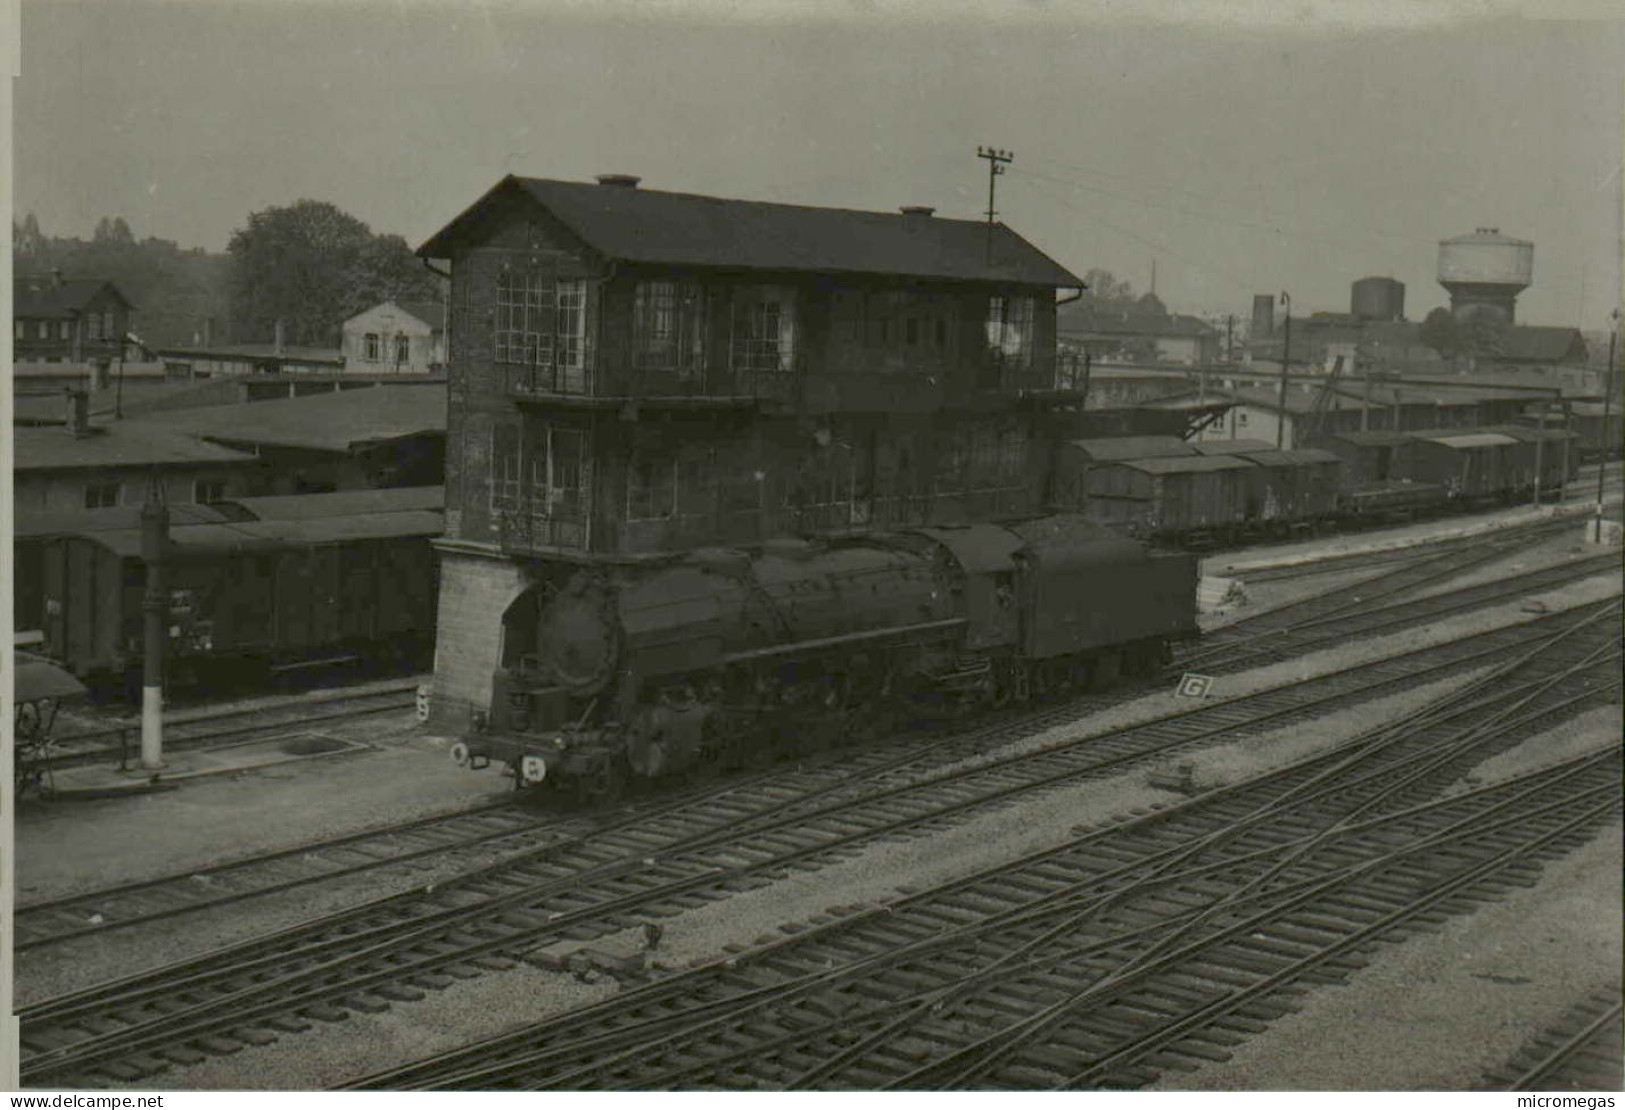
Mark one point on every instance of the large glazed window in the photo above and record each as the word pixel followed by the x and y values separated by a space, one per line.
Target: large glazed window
pixel 1010 329
pixel 668 326
pixel 541 322
pixel 764 328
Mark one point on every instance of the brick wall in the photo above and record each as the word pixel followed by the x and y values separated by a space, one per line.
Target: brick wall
pixel 476 588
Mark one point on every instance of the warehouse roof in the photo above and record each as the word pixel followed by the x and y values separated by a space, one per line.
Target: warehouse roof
pixel 1378 438
pixel 646 225
pixel 30 525
pixel 341 421
pixel 123 443
pixel 1132 447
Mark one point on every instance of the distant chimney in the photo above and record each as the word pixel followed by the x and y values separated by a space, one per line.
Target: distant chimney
pixel 208 331
pixel 919 211
pixel 56 279
pixel 100 375
pixel 281 334
pixel 624 180
pixel 78 412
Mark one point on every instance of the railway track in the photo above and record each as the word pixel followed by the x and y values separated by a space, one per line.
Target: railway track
pixel 514 829
pixel 1427 571
pixel 1155 944
pixel 221 728
pixel 398 948
pixel 1580 1053
pixel 1219 652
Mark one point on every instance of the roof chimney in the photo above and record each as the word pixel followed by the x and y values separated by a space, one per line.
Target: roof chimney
pixel 78 412
pixel 920 211
pixel 624 180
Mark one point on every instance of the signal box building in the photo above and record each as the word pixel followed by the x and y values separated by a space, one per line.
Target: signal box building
pixel 636 373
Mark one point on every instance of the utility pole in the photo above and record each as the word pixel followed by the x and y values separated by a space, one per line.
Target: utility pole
pixel 1286 358
pixel 1365 405
pixel 155 613
pixel 1540 444
pixel 1607 398
pixel 1230 338
pixel 996 161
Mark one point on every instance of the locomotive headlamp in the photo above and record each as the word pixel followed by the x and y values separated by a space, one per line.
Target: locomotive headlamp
pixel 459 754
pixel 533 768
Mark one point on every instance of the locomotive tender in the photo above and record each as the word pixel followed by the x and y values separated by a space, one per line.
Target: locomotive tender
pixel 723 656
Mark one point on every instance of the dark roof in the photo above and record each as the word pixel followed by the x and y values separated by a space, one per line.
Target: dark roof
pixel 1298 456
pixel 649 226
pixel 314 506
pixel 1377 438
pixel 339 421
pixel 121 444
pixel 432 313
pixel 43 296
pixel 32 525
pixel 259 352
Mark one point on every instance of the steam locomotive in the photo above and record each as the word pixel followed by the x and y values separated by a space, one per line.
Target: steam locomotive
pixel 722 658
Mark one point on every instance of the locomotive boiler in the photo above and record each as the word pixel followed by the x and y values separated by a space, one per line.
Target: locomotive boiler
pixel 728 657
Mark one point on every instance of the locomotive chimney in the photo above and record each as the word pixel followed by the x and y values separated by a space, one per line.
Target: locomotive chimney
pixel 619 180
pixel 917 211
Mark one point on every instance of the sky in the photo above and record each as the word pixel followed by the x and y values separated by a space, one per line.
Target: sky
pixel 1243 148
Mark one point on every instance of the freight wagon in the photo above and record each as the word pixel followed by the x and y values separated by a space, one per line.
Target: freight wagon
pixel 272 584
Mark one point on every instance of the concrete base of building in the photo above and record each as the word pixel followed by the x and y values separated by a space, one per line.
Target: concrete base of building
pixel 477 585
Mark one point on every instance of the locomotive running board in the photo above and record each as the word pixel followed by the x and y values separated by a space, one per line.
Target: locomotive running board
pixel 849 638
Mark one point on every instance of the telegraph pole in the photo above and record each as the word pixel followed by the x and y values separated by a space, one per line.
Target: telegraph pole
pixel 996 161
pixel 155 613
pixel 1607 398
pixel 1286 358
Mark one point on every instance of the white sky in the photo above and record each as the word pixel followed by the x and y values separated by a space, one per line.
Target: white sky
pixel 1245 147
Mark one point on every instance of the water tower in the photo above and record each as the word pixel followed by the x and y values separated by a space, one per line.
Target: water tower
pixel 1377 298
pixel 1485 272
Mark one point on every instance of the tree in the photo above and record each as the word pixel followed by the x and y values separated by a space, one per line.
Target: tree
pixel 1105 289
pixel 1440 332
pixel 313 267
pixel 1484 333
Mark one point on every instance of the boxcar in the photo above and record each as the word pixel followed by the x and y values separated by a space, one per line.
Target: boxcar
pixel 253 593
pixel 1471 466
pixel 1292 487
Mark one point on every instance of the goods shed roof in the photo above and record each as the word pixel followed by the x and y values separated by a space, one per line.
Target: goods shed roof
pixel 1532 435
pixel 1132 447
pixel 1230 446
pixel 1468 439
pixel 651 226
pixel 1196 464
pixel 122 444
pixel 339 422
pixel 311 506
pixel 82 521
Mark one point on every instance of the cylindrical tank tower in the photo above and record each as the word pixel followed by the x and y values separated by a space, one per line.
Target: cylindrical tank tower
pixel 1378 298
pixel 1263 316
pixel 1485 272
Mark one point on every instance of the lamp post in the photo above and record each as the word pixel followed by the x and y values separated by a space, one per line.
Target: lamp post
pixel 1286 359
